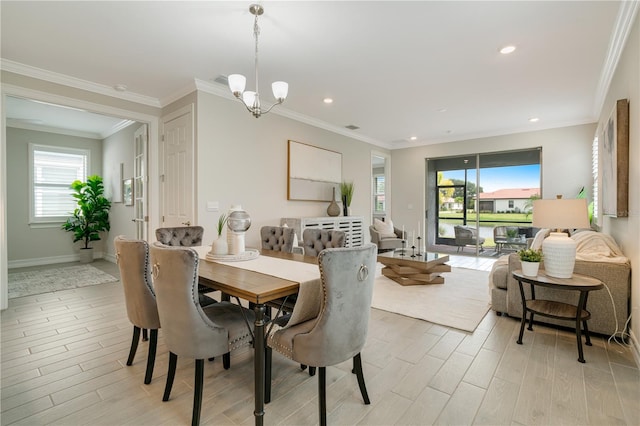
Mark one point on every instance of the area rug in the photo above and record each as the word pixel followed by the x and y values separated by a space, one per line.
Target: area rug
pixel 461 302
pixel 47 280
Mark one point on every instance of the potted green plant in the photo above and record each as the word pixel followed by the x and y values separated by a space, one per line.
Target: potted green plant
pixel 530 260
pixel 220 246
pixel 91 216
pixel 346 190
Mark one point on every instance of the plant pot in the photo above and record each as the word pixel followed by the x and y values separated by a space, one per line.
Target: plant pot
pixel 530 269
pixel 86 255
pixel 220 246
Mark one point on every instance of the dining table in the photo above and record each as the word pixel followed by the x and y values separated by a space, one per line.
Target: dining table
pixel 269 277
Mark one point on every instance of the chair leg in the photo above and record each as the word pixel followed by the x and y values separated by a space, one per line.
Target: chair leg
pixel 268 355
pixel 151 357
pixel 322 392
pixel 171 374
pixel 134 345
pixel 226 361
pixel 145 336
pixel 197 392
pixel 312 371
pixel 357 367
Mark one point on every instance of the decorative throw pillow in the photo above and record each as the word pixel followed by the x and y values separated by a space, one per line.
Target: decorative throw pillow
pixel 385 229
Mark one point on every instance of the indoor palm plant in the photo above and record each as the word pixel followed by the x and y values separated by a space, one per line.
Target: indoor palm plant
pixel 220 246
pixel 91 216
pixel 530 260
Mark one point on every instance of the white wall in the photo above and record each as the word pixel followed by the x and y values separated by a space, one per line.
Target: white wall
pixel 34 245
pixel 626 231
pixel 243 160
pixel 566 165
pixel 119 149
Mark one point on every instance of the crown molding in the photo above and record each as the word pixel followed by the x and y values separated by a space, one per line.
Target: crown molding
pixel 623 26
pixel 115 129
pixel 65 80
pixel 17 124
pixel 223 91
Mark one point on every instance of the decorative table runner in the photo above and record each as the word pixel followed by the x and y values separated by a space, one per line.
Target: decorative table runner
pixel 308 275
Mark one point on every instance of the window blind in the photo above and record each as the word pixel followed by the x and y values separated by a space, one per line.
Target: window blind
pixel 53 171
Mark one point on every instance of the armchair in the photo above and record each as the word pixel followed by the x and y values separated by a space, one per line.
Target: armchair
pixel 386 242
pixel 465 236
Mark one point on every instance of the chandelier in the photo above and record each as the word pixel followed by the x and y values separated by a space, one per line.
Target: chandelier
pixel 237 82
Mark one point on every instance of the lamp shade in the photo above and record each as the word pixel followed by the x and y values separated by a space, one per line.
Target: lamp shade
pixel 559 250
pixel 237 83
pixel 560 213
pixel 280 90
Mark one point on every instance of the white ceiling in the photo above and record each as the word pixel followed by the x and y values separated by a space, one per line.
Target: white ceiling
pixel 429 69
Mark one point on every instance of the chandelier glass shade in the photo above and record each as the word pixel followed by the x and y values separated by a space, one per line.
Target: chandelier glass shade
pixel 238 82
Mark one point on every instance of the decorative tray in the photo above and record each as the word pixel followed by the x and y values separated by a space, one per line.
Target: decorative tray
pixel 248 254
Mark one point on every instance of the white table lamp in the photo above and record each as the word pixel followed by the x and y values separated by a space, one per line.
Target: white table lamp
pixel 559 250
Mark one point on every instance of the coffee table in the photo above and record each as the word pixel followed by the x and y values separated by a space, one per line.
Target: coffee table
pixel 419 270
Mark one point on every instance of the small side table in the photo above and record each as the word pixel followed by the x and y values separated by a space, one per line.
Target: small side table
pixel 558 310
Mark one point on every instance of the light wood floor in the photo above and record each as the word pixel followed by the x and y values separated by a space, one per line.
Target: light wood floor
pixel 64 354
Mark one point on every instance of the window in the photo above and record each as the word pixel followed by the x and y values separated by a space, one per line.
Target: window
pixel 51 171
pixel 511 204
pixel 378 187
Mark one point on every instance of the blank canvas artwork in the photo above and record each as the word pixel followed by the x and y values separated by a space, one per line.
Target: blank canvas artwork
pixel 313 172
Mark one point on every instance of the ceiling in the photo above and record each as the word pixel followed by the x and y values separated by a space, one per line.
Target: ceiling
pixel 428 69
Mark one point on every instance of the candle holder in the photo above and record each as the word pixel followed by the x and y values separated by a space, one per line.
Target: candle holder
pixel 404 243
pixel 413 251
pixel 419 254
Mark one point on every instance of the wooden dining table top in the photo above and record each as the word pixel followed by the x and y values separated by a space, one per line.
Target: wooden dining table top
pixel 252 286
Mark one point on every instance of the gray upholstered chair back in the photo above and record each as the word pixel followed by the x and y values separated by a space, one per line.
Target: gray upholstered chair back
pixel 185 236
pixel 339 332
pixel 187 330
pixel 133 260
pixel 316 240
pixel 277 238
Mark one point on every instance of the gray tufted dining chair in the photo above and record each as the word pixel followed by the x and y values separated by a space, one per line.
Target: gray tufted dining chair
pixel 189 329
pixel 339 331
pixel 277 238
pixel 316 240
pixel 186 236
pixel 132 257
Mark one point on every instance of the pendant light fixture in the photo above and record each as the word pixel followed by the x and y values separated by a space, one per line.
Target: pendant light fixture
pixel 237 82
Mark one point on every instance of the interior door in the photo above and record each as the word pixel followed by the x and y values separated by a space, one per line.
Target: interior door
pixel 177 179
pixel 140 181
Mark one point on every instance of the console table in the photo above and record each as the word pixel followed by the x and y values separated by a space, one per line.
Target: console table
pixel 350 225
pixel 558 310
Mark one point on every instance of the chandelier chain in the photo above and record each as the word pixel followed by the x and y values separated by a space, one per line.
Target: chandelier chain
pixel 256 33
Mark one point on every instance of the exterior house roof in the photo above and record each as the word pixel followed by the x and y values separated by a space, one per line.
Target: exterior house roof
pixel 510 194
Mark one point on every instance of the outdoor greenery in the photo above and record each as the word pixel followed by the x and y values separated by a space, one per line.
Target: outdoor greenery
pixel 530 255
pixel 92 214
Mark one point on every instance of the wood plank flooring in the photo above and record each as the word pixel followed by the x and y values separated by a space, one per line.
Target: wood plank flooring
pixel 64 354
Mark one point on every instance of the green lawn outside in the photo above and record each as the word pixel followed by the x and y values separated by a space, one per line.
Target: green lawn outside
pixel 488 219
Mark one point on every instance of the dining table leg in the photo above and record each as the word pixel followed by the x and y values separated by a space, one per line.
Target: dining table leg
pixel 258 367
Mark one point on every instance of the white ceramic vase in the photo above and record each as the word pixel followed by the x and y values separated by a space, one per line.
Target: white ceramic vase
pixel 219 246
pixel 530 269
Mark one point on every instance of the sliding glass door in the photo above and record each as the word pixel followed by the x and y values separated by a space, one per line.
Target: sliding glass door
pixel 481 193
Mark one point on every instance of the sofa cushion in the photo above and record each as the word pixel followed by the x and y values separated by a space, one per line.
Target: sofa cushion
pixel 385 229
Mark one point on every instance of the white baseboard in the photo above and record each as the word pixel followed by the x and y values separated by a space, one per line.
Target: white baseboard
pixel 23 263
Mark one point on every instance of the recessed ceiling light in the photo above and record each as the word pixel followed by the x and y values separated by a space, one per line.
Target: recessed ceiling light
pixel 507 49
pixel 414 138
pixel 534 120
pixel 442 110
pixel 327 100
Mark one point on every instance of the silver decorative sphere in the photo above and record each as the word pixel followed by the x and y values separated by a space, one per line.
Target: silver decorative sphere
pixel 239 221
